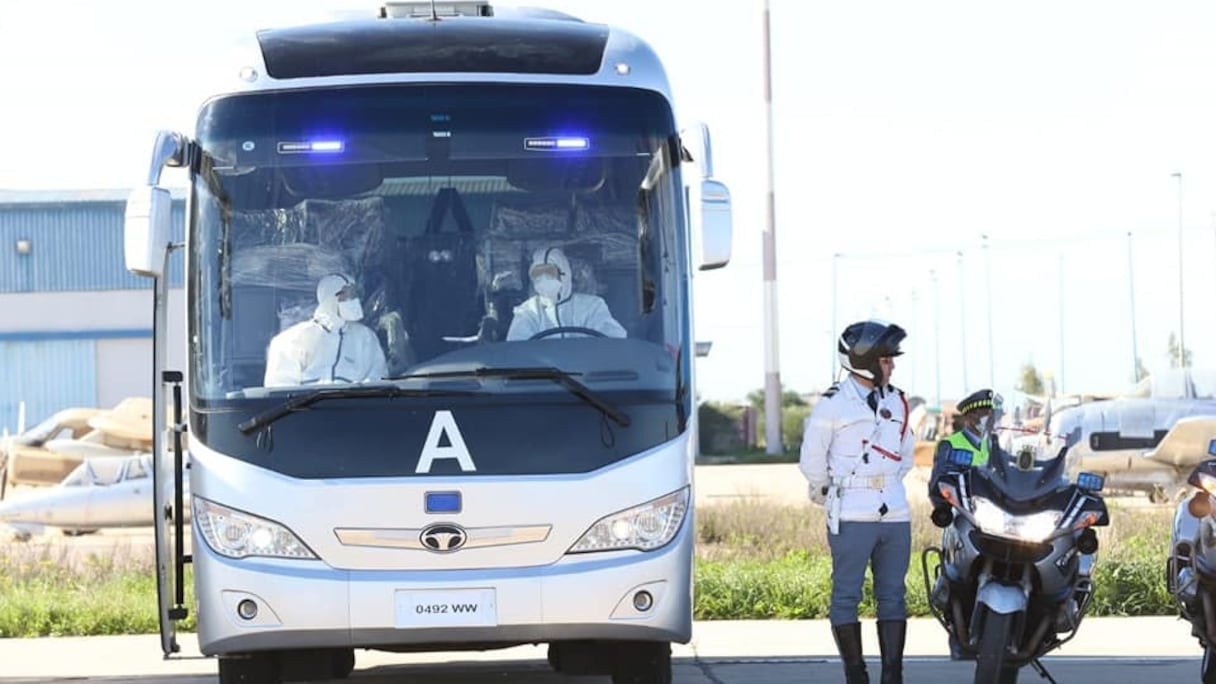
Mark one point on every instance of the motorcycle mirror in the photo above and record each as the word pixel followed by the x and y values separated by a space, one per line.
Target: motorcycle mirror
pixel 1212 448
pixel 1200 505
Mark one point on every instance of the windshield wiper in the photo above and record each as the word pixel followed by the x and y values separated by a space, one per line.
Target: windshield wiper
pixel 561 377
pixel 302 400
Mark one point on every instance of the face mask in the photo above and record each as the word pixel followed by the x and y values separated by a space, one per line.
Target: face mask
pixel 350 310
pixel 985 425
pixel 548 287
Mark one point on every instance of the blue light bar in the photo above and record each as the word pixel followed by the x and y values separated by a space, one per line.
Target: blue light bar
pixel 324 146
pixel 443 502
pixel 1092 482
pixel 557 143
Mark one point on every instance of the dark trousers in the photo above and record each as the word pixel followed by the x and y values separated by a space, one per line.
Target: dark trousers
pixel 886 547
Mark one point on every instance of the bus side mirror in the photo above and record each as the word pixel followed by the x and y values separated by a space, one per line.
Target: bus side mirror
pixel 149 210
pixel 146 230
pixel 709 201
pixel 715 224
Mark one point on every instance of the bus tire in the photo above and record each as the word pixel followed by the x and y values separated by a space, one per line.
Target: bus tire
pixel 342 663
pixel 643 662
pixel 251 668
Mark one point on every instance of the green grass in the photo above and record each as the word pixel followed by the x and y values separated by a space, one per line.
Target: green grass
pixel 754 561
pixel 758 561
pixel 48 594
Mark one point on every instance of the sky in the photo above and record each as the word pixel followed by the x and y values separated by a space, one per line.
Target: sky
pixel 903 134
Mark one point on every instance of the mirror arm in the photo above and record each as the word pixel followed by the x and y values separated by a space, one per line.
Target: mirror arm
pixel 707 164
pixel 169 150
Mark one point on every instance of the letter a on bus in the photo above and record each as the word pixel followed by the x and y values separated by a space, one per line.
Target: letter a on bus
pixel 444 424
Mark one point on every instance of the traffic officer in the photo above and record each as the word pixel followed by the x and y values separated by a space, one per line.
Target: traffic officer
pixel 856 450
pixel 979 413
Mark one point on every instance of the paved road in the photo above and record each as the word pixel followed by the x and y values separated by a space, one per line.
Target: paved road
pixel 1106 651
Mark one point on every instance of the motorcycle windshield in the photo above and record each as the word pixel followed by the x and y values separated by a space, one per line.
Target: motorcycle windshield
pixel 1024 478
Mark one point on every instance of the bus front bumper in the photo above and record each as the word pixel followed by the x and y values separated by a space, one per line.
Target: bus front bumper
pixel 307 604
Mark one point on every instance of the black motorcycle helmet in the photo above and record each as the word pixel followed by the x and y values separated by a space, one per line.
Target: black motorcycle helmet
pixel 863 343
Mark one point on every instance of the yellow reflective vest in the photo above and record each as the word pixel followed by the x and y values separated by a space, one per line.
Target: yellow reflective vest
pixel 979 455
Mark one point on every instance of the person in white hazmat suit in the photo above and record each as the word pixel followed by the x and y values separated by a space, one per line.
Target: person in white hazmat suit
pixel 331 347
pixel 556 305
pixel 856 450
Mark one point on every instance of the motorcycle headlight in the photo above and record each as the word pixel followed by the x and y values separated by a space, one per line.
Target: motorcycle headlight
pixel 236 534
pixel 1208 483
pixel 1035 527
pixel 645 527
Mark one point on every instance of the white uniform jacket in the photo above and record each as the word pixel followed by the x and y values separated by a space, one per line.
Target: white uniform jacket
pixel 311 352
pixel 538 314
pixel 860 455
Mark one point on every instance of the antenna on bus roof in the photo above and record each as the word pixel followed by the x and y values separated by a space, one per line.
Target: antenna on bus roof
pixel 434 12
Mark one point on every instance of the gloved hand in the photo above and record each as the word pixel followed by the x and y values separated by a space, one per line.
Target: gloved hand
pixel 818 494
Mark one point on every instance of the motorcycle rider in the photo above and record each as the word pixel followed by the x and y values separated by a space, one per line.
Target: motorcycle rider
pixel 979 413
pixel 856 450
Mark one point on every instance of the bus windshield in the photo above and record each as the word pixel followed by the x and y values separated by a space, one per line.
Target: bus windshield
pixel 411 234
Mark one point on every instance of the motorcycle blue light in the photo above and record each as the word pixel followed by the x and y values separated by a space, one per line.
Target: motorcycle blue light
pixel 960 457
pixel 1091 481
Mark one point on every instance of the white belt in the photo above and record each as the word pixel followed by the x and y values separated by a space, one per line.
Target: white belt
pixel 865 482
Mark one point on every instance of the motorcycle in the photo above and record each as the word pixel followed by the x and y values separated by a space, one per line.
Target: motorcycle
pixel 1191 565
pixel 1014 574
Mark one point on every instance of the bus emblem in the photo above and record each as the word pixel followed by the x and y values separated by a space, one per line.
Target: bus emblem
pixel 443 537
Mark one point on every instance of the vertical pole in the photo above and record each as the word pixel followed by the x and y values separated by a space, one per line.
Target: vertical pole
pixel 1131 290
pixel 772 373
pixel 962 323
pixel 988 280
pixel 937 339
pixel 916 358
pixel 1060 307
pixel 1181 317
pixel 835 320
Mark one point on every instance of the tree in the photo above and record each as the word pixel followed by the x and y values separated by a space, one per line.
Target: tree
pixel 1141 371
pixel 1032 381
pixel 788 398
pixel 1173 347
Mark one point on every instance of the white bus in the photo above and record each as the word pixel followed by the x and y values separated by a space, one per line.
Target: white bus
pixel 495 483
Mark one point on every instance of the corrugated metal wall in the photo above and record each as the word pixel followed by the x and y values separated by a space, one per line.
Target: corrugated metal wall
pixel 73 246
pixel 48 375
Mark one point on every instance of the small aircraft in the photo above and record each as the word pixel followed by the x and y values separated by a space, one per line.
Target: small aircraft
pixel 48 452
pixel 1146 440
pixel 102 492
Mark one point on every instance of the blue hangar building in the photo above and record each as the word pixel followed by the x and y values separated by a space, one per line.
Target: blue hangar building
pixel 75 326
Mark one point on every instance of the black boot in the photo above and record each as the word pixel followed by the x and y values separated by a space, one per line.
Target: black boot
pixel 848 643
pixel 891 636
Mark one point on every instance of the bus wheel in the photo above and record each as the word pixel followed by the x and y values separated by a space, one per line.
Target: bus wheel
pixel 343 663
pixel 642 662
pixel 251 668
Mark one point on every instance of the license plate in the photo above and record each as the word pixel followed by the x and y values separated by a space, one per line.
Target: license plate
pixel 446 608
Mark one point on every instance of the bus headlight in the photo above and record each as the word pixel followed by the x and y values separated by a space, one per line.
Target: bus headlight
pixel 236 534
pixel 646 527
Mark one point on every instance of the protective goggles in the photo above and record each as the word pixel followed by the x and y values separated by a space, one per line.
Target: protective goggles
pixel 348 292
pixel 550 270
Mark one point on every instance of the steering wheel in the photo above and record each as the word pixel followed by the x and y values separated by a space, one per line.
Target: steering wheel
pixel 567 329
